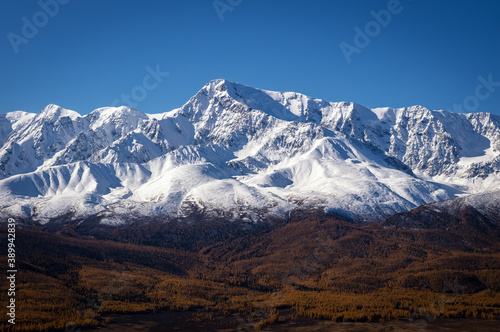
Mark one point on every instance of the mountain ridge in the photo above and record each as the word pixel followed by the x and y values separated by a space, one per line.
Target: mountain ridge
pixel 244 152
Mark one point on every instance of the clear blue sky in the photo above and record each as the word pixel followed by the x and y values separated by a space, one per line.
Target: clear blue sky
pixel 91 52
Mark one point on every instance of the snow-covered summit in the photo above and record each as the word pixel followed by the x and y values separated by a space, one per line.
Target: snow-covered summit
pixel 241 152
pixel 54 112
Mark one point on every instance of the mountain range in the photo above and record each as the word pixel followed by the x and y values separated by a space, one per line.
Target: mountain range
pixel 242 153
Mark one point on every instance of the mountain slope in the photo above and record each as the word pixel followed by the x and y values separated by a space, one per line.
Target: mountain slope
pixel 242 153
pixel 473 213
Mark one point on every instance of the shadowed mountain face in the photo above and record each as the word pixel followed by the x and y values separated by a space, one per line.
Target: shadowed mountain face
pixel 475 213
pixel 241 153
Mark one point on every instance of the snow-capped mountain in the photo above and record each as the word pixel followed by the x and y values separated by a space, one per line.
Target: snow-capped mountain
pixel 238 152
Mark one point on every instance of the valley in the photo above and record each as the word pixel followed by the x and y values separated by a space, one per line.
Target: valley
pixel 311 267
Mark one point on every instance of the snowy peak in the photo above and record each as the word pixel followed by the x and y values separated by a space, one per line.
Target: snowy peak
pixel 13 121
pixel 18 118
pixel 120 118
pixel 288 106
pixel 52 113
pixel 242 152
pixel 107 114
